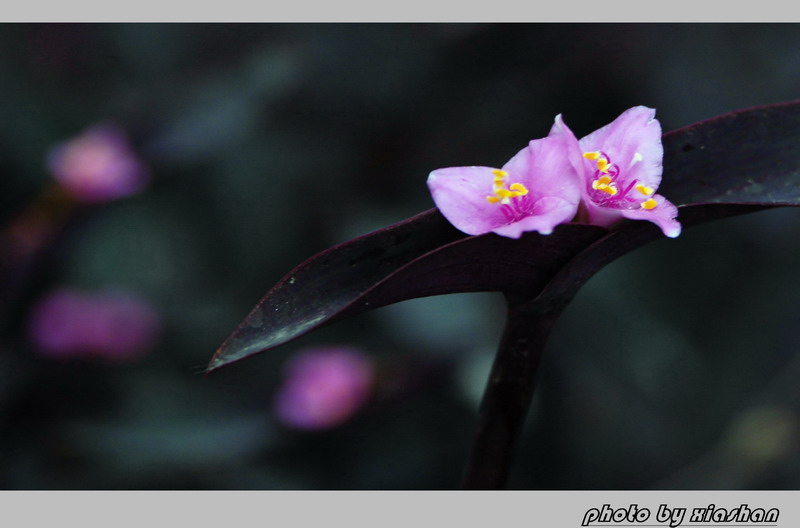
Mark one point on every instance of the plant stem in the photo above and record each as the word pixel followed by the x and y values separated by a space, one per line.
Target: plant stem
pixel 508 394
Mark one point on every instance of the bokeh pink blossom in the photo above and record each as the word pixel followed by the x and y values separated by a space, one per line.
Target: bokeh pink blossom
pixel 324 387
pixel 98 165
pixel 113 326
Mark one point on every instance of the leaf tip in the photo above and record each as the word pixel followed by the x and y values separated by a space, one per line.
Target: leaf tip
pixel 217 361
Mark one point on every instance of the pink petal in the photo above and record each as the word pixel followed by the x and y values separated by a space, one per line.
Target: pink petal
pixel 545 168
pixel 602 216
pixel 635 131
pixel 571 147
pixel 460 194
pixel 664 215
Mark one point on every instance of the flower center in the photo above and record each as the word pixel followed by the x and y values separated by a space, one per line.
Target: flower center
pixel 606 185
pixel 503 194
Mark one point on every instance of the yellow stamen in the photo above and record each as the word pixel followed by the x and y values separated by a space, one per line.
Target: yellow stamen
pixel 602 180
pixel 501 193
pixel 644 189
pixel 605 184
pixel 649 204
pixel 602 160
pixel 520 189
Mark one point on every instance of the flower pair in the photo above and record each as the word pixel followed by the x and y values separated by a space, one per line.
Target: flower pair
pixel 611 174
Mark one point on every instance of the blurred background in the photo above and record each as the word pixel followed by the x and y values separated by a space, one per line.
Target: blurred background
pixel 158 179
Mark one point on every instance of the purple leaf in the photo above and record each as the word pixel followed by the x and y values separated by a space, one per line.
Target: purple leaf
pixel 419 257
pixel 733 164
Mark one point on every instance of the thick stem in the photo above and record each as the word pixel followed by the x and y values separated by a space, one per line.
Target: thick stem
pixel 508 394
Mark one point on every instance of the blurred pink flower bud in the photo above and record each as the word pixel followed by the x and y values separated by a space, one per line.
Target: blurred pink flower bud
pixel 113 326
pixel 98 165
pixel 324 387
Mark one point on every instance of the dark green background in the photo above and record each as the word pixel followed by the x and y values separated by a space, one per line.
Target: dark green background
pixel 675 367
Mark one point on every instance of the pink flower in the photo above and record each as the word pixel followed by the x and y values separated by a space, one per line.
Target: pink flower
pixel 324 387
pixel 620 170
pixel 535 191
pixel 98 166
pixel 113 326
